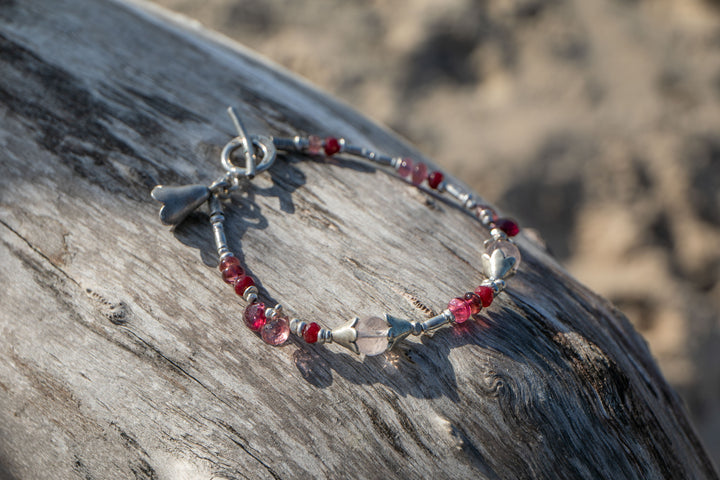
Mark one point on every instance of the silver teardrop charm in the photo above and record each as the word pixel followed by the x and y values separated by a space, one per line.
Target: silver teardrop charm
pixel 179 202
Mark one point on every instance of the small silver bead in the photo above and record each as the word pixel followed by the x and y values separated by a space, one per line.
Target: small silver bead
pixel 251 294
pixel 498 234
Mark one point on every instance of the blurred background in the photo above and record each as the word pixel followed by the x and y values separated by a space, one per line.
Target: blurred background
pixel 596 122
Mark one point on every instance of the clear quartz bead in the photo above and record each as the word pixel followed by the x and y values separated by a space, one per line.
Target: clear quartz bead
pixel 372 335
pixel 509 250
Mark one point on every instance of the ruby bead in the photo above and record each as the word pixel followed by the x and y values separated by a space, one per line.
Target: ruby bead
pixel 435 179
pixel 486 294
pixel 243 283
pixel 332 146
pixel 419 173
pixel 510 227
pixel 227 261
pixel 460 309
pixel 315 145
pixel 232 273
pixel 474 301
pixel 254 316
pixel 405 167
pixel 310 333
pixel 276 331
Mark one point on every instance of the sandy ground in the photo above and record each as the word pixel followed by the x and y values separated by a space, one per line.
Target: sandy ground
pixel 595 122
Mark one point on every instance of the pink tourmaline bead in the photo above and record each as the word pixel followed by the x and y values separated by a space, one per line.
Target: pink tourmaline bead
pixel 275 332
pixel 460 309
pixel 254 316
pixel 405 167
pixel 510 227
pixel 435 179
pixel 419 173
pixel 232 273
pixel 242 283
pixel 486 294
pixel 315 145
pixel 474 302
pixel 227 261
pixel 332 146
pixel 310 333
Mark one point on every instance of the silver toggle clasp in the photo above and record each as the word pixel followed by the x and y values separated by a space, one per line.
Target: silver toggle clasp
pixel 247 143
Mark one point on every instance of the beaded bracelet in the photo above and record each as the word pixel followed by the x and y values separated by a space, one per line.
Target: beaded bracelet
pixel 369 336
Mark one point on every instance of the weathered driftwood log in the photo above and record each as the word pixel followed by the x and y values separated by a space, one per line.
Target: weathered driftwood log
pixel 122 354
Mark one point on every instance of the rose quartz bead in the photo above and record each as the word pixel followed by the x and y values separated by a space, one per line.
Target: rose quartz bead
pixel 508 249
pixel 275 332
pixel 486 294
pixel 315 145
pixel 405 167
pixel 460 309
pixel 232 273
pixel 332 146
pixel 419 173
pixel 254 316
pixel 372 338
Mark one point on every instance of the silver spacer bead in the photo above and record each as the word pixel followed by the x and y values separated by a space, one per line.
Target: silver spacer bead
pixel 342 143
pixel 498 234
pixel 251 294
pixel 395 162
pixel 486 216
pixel 324 336
pixel 225 255
pixel 297 326
pixel 300 143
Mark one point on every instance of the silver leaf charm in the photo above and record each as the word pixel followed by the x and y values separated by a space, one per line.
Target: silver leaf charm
pixel 399 330
pixel 179 202
pixel 497 265
pixel 347 335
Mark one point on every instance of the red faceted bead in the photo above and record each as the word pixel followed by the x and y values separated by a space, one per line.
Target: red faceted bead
pixel 419 173
pixel 474 301
pixel 510 227
pixel 243 283
pixel 254 316
pixel 232 273
pixel 486 294
pixel 310 333
pixel 435 179
pixel 332 146
pixel 405 167
pixel 460 309
pixel 227 261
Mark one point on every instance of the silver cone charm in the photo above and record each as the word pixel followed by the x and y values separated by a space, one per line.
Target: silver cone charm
pixel 179 202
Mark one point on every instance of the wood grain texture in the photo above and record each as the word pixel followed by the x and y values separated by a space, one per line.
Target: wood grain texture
pixel 123 355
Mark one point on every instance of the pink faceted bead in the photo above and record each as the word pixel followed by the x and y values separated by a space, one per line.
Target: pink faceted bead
pixel 315 145
pixel 254 316
pixel 460 309
pixel 275 332
pixel 372 336
pixel 405 167
pixel 419 173
pixel 232 273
